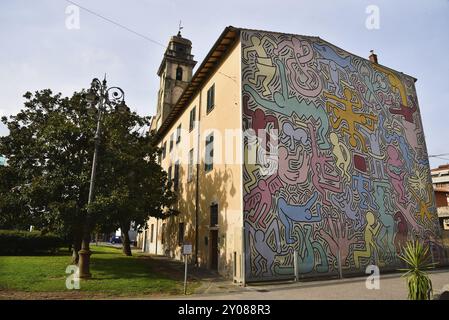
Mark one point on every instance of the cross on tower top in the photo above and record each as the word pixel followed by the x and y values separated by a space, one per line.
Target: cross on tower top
pixel 180 28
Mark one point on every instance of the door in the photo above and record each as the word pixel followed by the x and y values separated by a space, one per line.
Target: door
pixel 214 249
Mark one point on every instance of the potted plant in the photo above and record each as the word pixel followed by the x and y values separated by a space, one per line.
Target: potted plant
pixel 418 281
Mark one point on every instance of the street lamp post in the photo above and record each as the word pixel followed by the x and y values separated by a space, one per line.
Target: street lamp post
pixel 105 97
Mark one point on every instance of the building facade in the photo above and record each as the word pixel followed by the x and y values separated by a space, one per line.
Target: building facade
pixel 284 143
pixel 440 180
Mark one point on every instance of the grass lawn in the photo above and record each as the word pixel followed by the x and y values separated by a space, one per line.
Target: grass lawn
pixel 113 274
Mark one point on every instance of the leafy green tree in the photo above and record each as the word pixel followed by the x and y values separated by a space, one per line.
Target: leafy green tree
pixel 50 149
pixel 132 186
pixel 14 213
pixel 50 143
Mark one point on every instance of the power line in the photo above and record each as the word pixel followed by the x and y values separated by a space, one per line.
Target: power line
pixel 116 24
pixel 438 155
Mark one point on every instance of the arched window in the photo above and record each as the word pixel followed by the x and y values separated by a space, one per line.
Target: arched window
pixel 179 73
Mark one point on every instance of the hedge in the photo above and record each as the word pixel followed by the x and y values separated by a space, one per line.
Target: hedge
pixel 20 242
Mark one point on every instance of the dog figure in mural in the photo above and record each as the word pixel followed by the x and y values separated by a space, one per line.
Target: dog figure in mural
pixel 297 213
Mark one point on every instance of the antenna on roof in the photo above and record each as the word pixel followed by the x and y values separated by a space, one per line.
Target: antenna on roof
pixel 180 28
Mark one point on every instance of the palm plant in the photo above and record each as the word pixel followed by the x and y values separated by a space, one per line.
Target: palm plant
pixel 418 281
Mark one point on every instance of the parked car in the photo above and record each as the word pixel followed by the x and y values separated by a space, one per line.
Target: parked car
pixel 116 239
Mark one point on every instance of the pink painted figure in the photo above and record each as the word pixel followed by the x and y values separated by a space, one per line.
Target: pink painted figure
pixel 260 199
pixel 321 164
pixel 302 76
pixel 396 172
pixel 293 168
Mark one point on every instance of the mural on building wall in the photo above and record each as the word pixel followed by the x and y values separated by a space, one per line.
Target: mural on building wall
pixel 352 180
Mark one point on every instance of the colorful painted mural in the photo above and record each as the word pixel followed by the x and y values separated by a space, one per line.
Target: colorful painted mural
pixel 351 182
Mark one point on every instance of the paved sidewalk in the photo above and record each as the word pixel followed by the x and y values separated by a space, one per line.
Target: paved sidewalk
pixel 215 287
pixel 392 287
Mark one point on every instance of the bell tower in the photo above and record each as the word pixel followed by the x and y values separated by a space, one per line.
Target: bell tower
pixel 175 73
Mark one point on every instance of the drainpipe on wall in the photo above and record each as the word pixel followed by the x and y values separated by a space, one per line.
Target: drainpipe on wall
pixel 197 192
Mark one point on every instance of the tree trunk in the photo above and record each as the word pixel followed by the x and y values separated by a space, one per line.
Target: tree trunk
pixel 126 242
pixel 76 246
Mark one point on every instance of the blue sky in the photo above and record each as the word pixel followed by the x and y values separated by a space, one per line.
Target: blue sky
pixel 38 51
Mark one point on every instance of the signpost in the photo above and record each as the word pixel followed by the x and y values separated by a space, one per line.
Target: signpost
pixel 186 251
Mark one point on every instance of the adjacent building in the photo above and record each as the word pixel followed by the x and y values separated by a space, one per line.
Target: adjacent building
pixel 440 180
pixel 283 143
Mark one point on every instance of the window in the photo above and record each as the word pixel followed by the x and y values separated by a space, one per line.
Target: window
pixel 209 159
pixel 179 73
pixel 164 150
pixel 152 233
pixel 210 98
pixel 176 178
pixel 171 141
pixel 178 134
pixel 192 119
pixel 181 233
pixel 169 174
pixel 214 215
pixel 163 233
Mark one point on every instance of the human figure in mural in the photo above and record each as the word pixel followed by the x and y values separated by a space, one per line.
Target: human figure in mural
pixel 374 151
pixel 371 230
pixel 423 205
pixel 293 168
pixel 345 205
pixel 298 56
pixel 385 238
pixel 395 83
pixel 394 134
pixel 260 122
pixel 361 186
pixel 287 105
pixel 335 63
pixel 396 172
pixel 401 236
pixel 264 66
pixel 262 247
pixel 404 111
pixel 347 120
pixel 341 153
pixel 289 213
pixel 292 135
pixel 322 165
pixel 309 250
pixel 259 200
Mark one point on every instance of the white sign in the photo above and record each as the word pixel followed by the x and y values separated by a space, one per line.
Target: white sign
pixel 187 249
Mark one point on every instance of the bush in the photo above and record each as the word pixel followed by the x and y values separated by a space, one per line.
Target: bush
pixel 20 242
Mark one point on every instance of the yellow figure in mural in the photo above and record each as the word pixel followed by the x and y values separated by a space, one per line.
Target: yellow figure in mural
pixel 424 206
pixel 351 102
pixel 265 67
pixel 395 82
pixel 371 230
pixel 342 154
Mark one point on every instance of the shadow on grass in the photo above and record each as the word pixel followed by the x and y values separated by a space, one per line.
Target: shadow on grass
pixel 135 267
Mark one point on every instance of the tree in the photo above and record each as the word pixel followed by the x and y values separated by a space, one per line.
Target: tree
pixel 50 149
pixel 14 213
pixel 50 143
pixel 132 186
